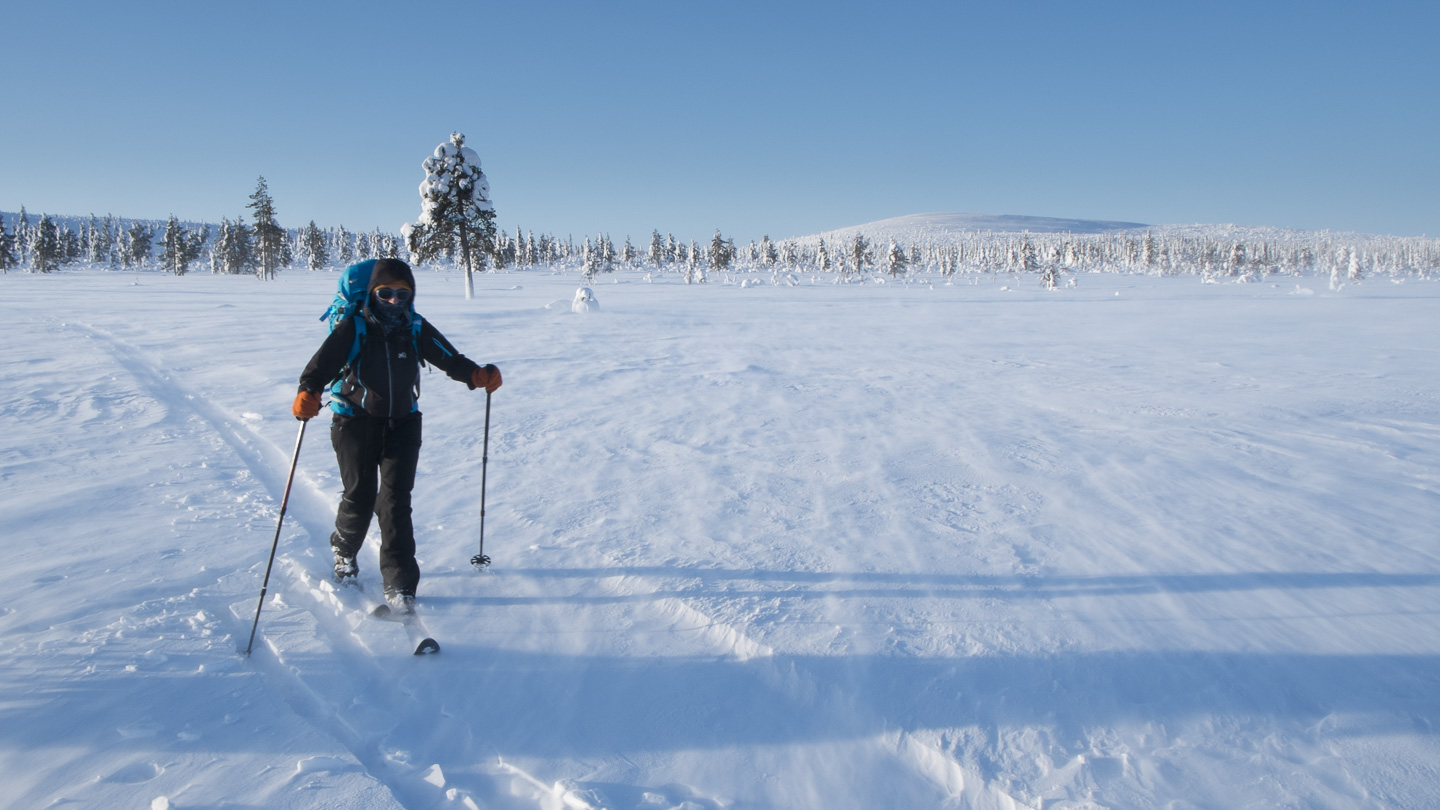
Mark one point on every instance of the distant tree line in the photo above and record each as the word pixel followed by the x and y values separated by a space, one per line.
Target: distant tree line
pixel 262 247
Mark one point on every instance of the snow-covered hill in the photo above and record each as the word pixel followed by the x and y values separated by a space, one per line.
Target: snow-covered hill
pixel 923 228
pixel 1141 543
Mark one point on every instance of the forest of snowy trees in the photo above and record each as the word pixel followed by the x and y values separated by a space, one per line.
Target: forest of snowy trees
pixel 262 247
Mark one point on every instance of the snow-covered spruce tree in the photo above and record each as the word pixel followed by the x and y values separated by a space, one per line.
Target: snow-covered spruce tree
pixel 22 237
pixel 269 237
pixel 135 245
pixel 343 246
pixel 694 264
pixel 628 254
pixel 233 252
pixel 45 249
pixel 7 248
pixel 607 253
pixel 174 251
pixel 895 260
pixel 1050 276
pixel 1236 261
pixel 70 245
pixel 722 252
pixel 1025 259
pixel 1355 270
pixel 656 254
pixel 861 254
pixel 102 246
pixel 313 248
pixel 590 261
pixel 768 254
pixel 454 206
pixel 822 257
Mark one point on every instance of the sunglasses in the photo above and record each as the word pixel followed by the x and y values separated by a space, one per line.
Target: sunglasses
pixel 396 294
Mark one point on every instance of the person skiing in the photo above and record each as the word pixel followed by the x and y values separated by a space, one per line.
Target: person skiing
pixel 376 426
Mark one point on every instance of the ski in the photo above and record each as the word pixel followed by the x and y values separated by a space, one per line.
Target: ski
pixel 420 638
pixel 351 597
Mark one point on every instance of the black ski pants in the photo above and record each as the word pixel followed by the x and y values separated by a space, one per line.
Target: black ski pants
pixel 377 459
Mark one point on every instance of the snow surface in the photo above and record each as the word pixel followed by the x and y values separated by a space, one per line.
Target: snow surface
pixel 1140 543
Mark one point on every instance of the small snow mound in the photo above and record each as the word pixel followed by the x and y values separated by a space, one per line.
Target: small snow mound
pixel 251 416
pixel 160 803
pixel 585 301
pixel 434 776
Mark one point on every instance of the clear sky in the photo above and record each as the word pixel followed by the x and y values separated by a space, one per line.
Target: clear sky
pixel 779 118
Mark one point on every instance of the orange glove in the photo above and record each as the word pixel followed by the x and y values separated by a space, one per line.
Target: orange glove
pixel 487 377
pixel 307 405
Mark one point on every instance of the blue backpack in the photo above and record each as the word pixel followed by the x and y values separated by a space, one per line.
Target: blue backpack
pixel 349 300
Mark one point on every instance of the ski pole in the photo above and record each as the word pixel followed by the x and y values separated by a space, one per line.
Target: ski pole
pixel 480 560
pixel 284 501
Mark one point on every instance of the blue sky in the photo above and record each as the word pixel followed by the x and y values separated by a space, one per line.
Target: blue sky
pixel 756 118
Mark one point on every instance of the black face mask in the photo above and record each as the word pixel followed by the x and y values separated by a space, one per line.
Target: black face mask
pixel 393 316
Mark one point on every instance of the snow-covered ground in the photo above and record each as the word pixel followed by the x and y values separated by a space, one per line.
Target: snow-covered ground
pixel 1142 543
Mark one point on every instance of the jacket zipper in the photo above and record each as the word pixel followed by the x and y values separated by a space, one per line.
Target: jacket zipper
pixel 390 382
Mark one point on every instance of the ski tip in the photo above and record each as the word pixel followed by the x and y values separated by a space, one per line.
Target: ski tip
pixel 428 646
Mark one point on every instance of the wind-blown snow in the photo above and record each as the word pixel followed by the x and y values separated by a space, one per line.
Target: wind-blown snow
pixel 1141 543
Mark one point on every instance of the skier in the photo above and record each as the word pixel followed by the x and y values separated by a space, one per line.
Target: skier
pixel 376 427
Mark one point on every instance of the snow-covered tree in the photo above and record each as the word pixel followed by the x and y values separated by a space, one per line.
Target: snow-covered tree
pixel 861 254
pixel 895 260
pixel 136 244
pixel 181 246
pixel 7 248
pixel 313 247
pixel 233 251
pixel 1236 260
pixel 269 237
pixel 590 261
pixel 656 254
pixel 789 254
pixel 1025 259
pixel 102 243
pixel 1355 270
pixel 722 252
pixel 46 252
pixel 70 245
pixel 694 266
pixel 822 257
pixel 768 254
pixel 22 237
pixel 1050 276
pixel 343 247
pixel 454 206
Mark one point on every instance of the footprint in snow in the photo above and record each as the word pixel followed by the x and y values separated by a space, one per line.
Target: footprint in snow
pixel 135 774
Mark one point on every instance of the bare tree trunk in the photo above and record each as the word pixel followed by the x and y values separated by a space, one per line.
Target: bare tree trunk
pixel 465 257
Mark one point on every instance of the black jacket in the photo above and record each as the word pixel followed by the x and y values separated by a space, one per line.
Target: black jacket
pixel 384 380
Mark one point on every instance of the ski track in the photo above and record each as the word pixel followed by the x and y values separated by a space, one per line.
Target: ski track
pixel 814 640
